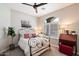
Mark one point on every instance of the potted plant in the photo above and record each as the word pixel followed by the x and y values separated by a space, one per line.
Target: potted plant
pixel 11 33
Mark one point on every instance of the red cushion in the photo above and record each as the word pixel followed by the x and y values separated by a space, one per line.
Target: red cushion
pixel 26 35
pixel 66 49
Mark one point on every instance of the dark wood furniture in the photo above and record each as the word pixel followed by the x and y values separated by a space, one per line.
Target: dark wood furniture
pixel 70 41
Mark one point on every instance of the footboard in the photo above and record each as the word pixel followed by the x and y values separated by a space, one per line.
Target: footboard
pixel 39 50
pixel 31 49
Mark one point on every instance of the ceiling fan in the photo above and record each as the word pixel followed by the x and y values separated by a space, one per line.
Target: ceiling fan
pixel 35 6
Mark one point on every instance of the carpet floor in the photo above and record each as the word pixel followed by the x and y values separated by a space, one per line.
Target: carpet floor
pixel 18 52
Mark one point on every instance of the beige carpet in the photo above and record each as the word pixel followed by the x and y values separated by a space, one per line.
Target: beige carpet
pixel 53 52
pixel 18 52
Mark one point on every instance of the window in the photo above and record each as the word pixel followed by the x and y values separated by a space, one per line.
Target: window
pixel 51 28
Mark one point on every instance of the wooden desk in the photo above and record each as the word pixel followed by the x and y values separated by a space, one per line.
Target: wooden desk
pixel 69 40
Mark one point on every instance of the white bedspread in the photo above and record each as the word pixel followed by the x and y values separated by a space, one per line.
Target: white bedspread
pixel 35 43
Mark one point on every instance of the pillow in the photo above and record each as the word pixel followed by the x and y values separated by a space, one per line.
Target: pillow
pixel 22 32
pixel 33 35
pixel 26 35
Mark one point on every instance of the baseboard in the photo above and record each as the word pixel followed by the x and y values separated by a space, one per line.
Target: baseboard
pixel 78 53
pixel 56 46
pixel 4 50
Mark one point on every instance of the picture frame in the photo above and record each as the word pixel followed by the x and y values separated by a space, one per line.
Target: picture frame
pixel 25 24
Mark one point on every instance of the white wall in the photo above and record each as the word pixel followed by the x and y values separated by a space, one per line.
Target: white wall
pixel 17 16
pixel 4 23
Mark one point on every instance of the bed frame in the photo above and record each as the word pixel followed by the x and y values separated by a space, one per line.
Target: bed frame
pixel 39 51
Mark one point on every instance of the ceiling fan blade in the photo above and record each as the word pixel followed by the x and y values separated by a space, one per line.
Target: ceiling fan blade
pixel 41 4
pixel 27 4
pixel 35 5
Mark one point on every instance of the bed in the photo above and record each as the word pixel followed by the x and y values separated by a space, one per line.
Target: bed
pixel 34 46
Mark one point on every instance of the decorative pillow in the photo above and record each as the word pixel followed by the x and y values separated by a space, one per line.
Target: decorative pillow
pixel 22 32
pixel 26 35
pixel 33 35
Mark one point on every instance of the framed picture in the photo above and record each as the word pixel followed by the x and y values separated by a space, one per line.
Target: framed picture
pixel 25 24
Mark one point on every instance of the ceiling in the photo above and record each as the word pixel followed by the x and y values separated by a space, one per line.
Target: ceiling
pixel 42 10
